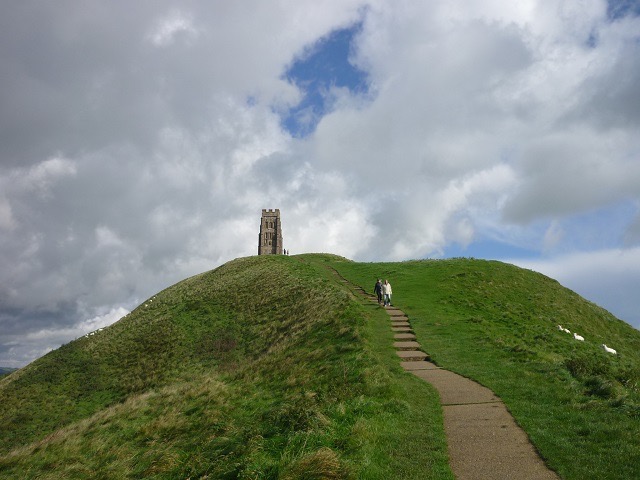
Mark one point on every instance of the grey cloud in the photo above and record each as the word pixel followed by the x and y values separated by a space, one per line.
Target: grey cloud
pixel 139 142
pixel 78 78
pixel 64 73
pixel 573 171
pixel 610 95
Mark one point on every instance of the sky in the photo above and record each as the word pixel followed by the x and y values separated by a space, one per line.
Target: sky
pixel 139 142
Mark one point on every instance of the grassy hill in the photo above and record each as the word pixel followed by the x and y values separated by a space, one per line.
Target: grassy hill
pixel 496 323
pixel 268 368
pixel 262 368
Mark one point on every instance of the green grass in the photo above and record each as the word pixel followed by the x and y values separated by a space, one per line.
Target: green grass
pixel 262 368
pixel 496 324
pixel 268 367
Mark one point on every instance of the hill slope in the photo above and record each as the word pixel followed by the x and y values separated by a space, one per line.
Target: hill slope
pixel 267 368
pixel 496 323
pixel 258 369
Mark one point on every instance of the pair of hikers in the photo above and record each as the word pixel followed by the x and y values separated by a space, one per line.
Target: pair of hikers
pixel 383 291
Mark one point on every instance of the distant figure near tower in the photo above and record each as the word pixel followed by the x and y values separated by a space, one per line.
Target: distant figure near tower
pixel 270 239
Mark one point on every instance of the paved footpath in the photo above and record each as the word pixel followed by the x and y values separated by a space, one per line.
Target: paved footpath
pixel 484 441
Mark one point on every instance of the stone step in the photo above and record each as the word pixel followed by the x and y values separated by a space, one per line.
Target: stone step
pixel 412 355
pixel 406 345
pixel 419 365
pixel 404 336
pixel 400 324
pixel 402 329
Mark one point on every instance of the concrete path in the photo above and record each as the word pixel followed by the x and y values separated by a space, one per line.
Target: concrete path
pixel 484 441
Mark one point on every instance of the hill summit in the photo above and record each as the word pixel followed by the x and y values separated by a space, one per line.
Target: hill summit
pixel 267 367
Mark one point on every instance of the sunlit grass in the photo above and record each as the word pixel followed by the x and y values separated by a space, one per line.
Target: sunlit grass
pixel 263 368
pixel 267 367
pixel 496 324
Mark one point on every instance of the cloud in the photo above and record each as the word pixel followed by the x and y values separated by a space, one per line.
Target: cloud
pixel 139 143
pixel 553 236
pixel 7 221
pixel 16 347
pixel 169 27
pixel 574 170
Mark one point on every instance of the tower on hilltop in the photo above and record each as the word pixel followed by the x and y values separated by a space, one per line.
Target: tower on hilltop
pixel 270 239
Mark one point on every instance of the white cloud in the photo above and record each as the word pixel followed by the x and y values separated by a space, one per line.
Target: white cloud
pixel 107 238
pixel 170 26
pixel 101 321
pixel 140 142
pixel 552 236
pixel 39 342
pixel 337 225
pixel 42 176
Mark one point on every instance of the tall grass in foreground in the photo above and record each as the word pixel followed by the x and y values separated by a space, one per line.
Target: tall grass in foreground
pixel 263 368
pixel 496 323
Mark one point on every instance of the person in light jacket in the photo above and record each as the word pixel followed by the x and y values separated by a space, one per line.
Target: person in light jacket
pixel 386 292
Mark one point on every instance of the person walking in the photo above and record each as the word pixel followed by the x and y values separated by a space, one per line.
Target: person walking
pixel 386 292
pixel 378 291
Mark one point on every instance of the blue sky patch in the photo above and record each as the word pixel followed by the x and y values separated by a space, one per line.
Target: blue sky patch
pixel 490 250
pixel 621 8
pixel 324 67
pixel 598 229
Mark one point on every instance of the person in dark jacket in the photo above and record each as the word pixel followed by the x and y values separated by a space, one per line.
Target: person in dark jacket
pixel 378 291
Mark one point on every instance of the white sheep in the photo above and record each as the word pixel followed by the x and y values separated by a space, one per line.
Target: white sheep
pixel 608 349
pixel 578 337
pixel 562 329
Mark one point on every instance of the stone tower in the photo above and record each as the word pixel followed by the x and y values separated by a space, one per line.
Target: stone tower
pixel 270 239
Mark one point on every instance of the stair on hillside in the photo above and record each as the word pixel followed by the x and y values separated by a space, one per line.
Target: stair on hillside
pixel 418 365
pixel 476 421
pixel 404 336
pixel 400 324
pixel 402 329
pixel 406 345
pixel 412 355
